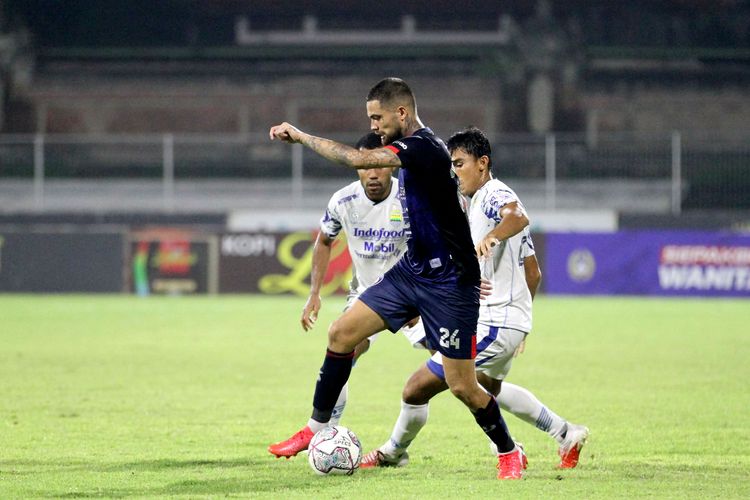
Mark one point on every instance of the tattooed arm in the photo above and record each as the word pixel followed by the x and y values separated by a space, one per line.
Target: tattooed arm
pixel 335 151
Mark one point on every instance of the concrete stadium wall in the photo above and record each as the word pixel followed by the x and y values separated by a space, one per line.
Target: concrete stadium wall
pixel 723 111
pixel 98 104
pixel 335 104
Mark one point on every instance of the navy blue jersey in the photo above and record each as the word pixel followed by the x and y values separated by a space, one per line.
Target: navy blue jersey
pixel 439 243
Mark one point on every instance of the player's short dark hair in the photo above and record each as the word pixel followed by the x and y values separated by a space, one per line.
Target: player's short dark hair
pixel 369 141
pixel 473 141
pixel 391 91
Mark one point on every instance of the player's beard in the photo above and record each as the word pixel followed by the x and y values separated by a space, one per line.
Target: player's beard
pixel 388 139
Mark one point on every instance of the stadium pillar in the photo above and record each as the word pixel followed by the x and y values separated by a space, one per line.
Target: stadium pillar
pixel 39 171
pixel 550 168
pixel 297 167
pixel 676 173
pixel 168 172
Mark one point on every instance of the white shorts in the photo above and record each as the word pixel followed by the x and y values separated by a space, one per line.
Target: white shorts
pixel 414 334
pixel 495 348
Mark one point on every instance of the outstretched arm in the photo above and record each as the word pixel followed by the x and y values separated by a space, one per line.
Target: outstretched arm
pixel 320 258
pixel 335 151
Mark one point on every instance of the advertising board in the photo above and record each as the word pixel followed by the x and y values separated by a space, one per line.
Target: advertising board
pixel 668 263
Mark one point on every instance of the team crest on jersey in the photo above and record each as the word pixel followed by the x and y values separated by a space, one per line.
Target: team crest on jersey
pixel 396 215
pixel 354 215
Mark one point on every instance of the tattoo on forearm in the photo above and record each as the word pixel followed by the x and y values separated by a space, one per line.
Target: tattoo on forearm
pixel 346 155
pixel 331 150
pixel 382 157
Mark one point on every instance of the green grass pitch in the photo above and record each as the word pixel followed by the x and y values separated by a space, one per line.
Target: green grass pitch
pixel 119 396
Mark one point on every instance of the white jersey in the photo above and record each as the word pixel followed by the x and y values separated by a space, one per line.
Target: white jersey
pixel 509 304
pixel 375 231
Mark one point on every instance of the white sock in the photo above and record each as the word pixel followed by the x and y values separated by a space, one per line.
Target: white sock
pixel 515 448
pixel 315 426
pixel 338 409
pixel 524 405
pixel 410 421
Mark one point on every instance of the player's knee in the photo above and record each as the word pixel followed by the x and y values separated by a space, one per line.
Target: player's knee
pixel 413 395
pixel 462 391
pixel 339 337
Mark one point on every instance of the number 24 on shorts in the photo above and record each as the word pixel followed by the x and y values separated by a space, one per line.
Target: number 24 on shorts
pixel 449 339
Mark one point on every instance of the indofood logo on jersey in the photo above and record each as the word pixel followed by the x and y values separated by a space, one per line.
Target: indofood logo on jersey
pixel 381 239
pixel 704 267
pixel 378 234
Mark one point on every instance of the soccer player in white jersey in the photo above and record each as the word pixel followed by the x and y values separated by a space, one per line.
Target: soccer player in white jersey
pixel 369 213
pixel 499 229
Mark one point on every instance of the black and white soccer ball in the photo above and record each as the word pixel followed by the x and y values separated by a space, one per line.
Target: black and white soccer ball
pixel 334 450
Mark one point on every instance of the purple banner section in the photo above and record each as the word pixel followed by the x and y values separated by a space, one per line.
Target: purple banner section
pixel 671 263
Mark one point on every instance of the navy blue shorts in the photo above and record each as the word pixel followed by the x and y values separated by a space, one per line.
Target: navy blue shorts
pixel 449 311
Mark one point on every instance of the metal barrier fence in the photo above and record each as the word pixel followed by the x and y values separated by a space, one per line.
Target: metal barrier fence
pixel 696 172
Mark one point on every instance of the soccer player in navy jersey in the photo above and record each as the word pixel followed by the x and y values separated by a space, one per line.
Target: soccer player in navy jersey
pixel 438 278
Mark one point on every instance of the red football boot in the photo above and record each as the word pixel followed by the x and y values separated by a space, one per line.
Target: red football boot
pixel 289 448
pixel 570 449
pixel 510 465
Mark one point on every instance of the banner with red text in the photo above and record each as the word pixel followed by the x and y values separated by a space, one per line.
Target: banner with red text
pixel 692 263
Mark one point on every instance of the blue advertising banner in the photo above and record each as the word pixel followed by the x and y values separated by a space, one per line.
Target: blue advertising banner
pixel 671 263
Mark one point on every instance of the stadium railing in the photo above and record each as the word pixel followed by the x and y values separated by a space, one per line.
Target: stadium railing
pixel 184 172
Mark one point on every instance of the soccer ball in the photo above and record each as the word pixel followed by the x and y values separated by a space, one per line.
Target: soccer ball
pixel 334 450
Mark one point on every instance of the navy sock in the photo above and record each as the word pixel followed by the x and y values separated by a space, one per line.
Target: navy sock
pixel 492 423
pixel 333 375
